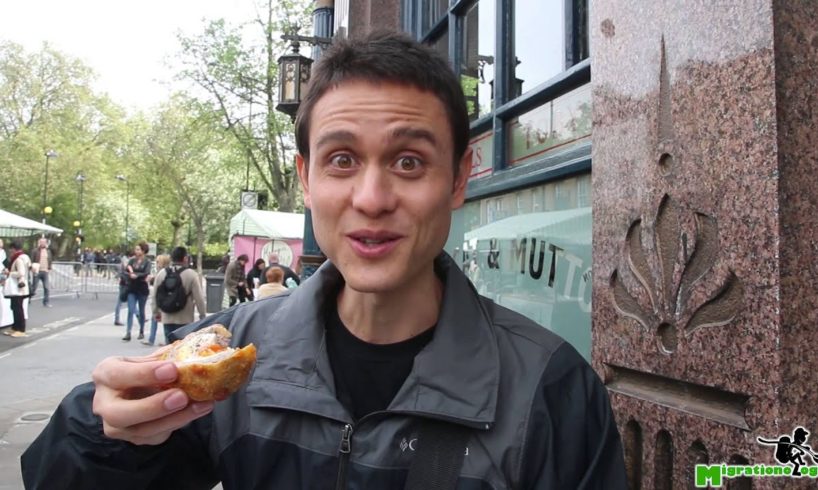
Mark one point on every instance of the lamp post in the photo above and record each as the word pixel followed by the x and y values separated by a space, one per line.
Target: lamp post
pixel 294 74
pixel 80 178
pixel 122 178
pixel 46 211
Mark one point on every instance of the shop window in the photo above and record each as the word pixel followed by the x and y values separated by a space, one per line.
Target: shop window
pixel 441 45
pixel 482 148
pixel 477 43
pixel 550 127
pixel 565 194
pixel 535 262
pixel 584 190
pixel 557 24
pixel 433 12
pixel 538 199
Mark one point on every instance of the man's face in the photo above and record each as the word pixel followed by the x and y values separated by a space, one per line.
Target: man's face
pixel 380 182
pixel 42 242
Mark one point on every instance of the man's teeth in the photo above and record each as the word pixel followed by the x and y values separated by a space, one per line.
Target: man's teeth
pixel 370 241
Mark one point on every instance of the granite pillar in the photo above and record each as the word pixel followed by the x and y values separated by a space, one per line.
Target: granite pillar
pixel 705 231
pixel 369 15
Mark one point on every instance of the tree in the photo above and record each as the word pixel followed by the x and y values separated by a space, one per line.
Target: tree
pixel 46 102
pixel 193 163
pixel 240 81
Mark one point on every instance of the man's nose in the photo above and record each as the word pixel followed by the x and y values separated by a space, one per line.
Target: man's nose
pixel 373 193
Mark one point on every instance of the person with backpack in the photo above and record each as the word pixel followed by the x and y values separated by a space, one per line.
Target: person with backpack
pixel 176 289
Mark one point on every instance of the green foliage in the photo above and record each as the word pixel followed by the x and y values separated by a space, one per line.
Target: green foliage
pixel 185 163
pixel 236 69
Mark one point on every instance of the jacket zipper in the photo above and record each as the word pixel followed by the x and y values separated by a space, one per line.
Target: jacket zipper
pixel 343 456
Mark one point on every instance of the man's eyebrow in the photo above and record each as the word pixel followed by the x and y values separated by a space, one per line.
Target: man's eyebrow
pixel 414 133
pixel 339 136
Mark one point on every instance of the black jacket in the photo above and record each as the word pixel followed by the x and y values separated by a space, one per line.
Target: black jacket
pixel 539 415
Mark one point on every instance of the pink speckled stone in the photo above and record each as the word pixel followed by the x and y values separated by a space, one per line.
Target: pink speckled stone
pixel 368 15
pixel 739 120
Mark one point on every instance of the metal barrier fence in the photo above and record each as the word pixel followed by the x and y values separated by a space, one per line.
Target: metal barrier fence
pixel 79 278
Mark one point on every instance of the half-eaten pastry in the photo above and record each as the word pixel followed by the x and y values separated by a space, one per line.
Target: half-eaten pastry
pixel 209 369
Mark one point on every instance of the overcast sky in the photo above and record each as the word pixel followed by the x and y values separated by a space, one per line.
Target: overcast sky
pixel 125 43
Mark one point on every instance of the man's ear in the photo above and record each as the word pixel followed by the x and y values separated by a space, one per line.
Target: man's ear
pixel 461 179
pixel 302 167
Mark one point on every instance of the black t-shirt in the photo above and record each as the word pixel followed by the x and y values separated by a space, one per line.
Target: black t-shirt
pixel 368 376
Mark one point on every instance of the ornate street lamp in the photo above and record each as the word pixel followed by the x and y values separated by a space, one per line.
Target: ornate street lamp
pixel 293 75
pixel 122 178
pixel 294 72
pixel 80 178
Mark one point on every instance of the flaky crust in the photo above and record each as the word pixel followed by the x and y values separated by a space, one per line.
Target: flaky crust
pixel 206 381
pixel 218 380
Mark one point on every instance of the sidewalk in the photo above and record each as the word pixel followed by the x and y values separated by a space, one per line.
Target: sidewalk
pixel 40 372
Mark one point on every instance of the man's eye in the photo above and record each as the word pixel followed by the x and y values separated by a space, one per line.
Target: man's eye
pixel 342 161
pixel 408 164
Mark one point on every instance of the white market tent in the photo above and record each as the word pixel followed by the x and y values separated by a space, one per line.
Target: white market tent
pixel 270 224
pixel 12 225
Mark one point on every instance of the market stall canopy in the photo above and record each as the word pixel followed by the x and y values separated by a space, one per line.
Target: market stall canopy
pixel 270 224
pixel 12 225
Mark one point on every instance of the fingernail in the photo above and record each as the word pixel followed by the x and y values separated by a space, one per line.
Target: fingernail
pixel 176 401
pixel 202 407
pixel 165 372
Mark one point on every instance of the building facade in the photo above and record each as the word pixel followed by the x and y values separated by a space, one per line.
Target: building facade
pixel 643 184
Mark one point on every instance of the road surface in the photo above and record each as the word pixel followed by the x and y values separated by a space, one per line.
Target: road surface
pixel 66 342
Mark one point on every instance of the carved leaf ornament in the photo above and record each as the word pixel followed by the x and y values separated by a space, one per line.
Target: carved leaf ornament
pixel 672 310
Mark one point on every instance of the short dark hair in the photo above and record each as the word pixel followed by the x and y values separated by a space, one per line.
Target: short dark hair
pixel 178 254
pixel 144 246
pixel 243 257
pixel 16 245
pixel 384 56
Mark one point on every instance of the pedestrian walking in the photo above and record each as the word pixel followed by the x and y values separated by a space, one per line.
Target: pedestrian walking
pixel 122 296
pixel 138 269
pixel 234 281
pixel 41 258
pixel 177 290
pixel 254 277
pixel 16 288
pixel 162 261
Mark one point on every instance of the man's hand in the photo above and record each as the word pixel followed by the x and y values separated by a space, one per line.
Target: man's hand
pixel 132 406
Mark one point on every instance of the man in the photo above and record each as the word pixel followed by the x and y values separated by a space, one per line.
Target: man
pixel 386 337
pixel 234 280
pixel 41 259
pixel 122 279
pixel 291 279
pixel 192 287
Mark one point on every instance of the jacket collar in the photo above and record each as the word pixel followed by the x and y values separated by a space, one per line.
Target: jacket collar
pixel 455 377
